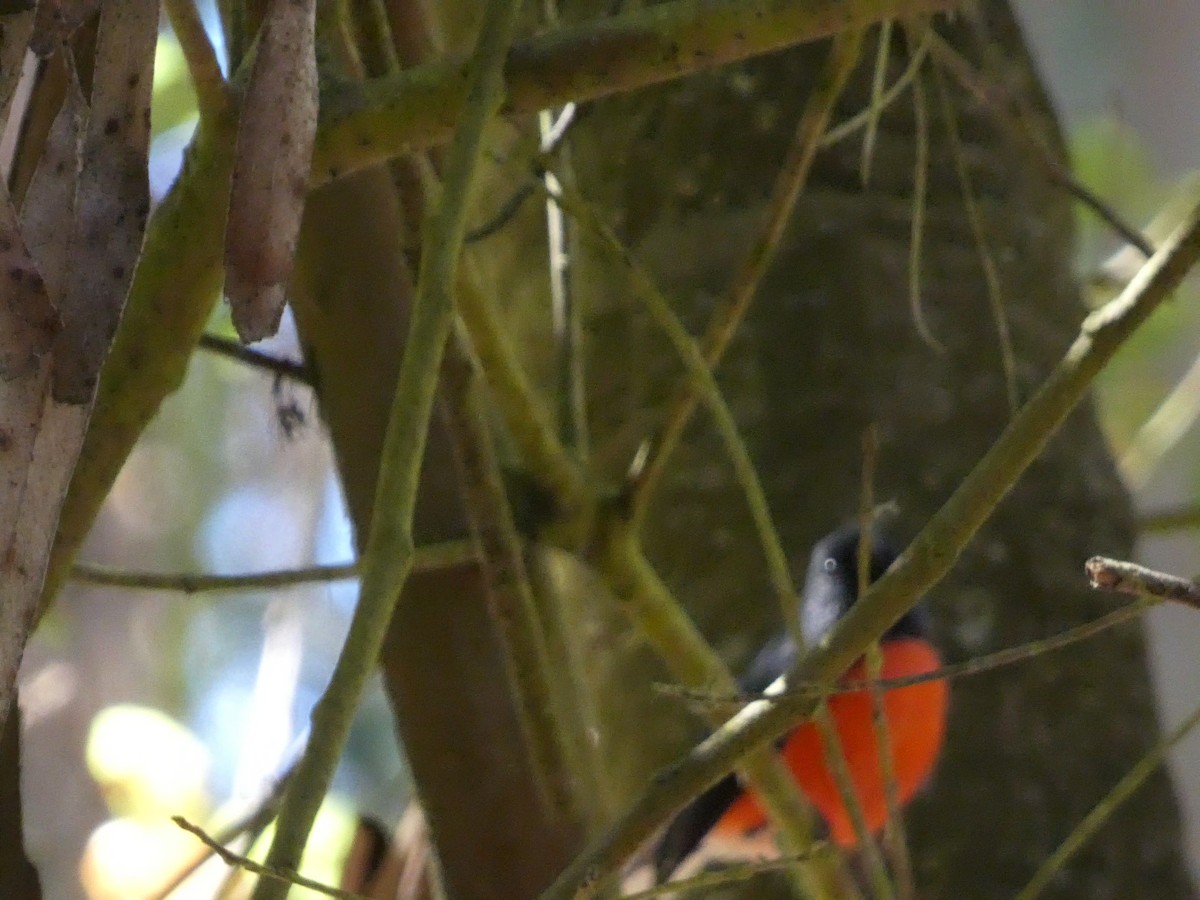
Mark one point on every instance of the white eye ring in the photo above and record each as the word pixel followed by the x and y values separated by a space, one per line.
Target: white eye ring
pixel 830 564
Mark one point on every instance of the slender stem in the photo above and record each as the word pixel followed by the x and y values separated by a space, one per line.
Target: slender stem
pixel 895 839
pixel 388 557
pixel 859 120
pixel 921 566
pixel 875 108
pixel 434 556
pixel 737 873
pixel 1016 128
pixel 366 123
pixel 1130 578
pixel 792 177
pixel 978 665
pixel 706 390
pixel 693 661
pixel 526 416
pixel 835 758
pixel 212 92
pixel 916 235
pixel 1172 519
pixel 287 878
pixel 235 350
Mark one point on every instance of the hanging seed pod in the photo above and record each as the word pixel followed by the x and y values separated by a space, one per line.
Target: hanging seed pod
pixel 270 173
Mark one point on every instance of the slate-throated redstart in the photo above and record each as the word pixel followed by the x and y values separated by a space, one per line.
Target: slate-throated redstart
pixel 915 715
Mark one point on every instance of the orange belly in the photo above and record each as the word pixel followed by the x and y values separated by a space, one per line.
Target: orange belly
pixel 916 717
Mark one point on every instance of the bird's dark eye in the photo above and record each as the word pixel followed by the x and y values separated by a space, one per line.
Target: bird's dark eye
pixel 830 564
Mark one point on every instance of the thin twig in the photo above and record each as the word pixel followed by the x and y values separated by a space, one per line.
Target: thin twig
pixel 991 277
pixel 388 557
pixel 976 666
pixel 434 556
pixel 876 106
pixel 734 873
pixel 916 239
pixel 252 823
pixel 789 182
pixel 1100 813
pixel 505 214
pixel 530 425
pixel 859 120
pixel 1166 426
pixel 895 839
pixel 693 661
pixel 1130 578
pixel 238 351
pixel 834 756
pixel 918 569
pixel 1171 519
pixel 212 92
pixel 1014 126
pixel 288 877
pixel 704 389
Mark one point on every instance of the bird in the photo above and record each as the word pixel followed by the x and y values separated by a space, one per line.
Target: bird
pixel 915 714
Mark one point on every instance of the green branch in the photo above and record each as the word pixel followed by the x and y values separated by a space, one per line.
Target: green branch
pixel 690 658
pixel 921 566
pixel 389 553
pixel 367 123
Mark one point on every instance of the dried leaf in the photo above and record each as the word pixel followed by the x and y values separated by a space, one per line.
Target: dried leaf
pixel 48 213
pixel 16 27
pixel 28 320
pixel 43 416
pixel 56 21
pixel 112 199
pixel 270 175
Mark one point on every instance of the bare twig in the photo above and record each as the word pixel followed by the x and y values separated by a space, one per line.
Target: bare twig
pixel 1130 578
pixel 509 593
pixel 916 241
pixel 235 350
pixel 834 756
pixel 729 874
pixel 1013 125
pixel 1166 426
pixel 251 824
pixel 434 556
pixel 895 839
pixel 287 877
pixel 859 120
pixel 976 666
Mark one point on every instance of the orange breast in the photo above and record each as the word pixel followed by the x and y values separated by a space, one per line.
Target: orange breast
pixel 916 725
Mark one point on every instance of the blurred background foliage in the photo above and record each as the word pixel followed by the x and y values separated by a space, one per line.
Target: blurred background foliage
pixel 138 703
